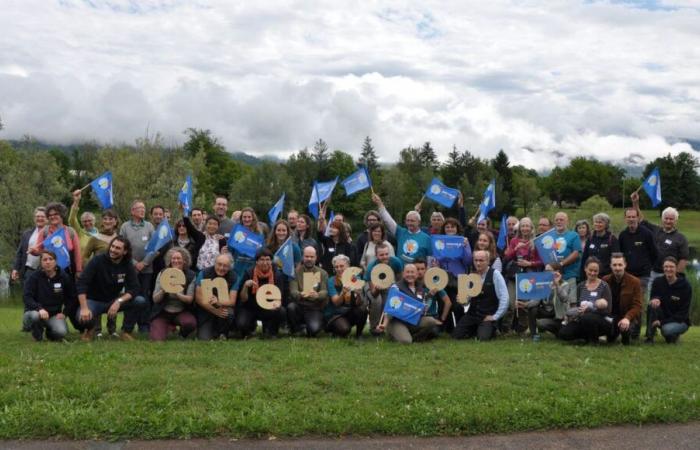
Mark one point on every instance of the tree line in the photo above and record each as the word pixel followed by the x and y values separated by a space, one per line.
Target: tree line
pixel 31 175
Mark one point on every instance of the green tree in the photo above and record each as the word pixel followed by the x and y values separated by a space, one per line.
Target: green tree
pixel 504 183
pixel 428 157
pixel 583 178
pixel 526 190
pixel 302 168
pixel 368 157
pixel 321 156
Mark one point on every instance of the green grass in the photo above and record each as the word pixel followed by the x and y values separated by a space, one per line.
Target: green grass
pixel 294 387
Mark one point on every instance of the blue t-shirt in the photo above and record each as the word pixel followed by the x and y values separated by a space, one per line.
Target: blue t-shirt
pixel 566 243
pixel 395 263
pixel 412 245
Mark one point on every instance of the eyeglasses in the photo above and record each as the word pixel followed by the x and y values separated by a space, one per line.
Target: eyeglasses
pixel 53 215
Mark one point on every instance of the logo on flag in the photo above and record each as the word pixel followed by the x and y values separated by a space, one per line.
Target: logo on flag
pixel 245 241
pixel 441 194
pixel 525 286
pixel 103 183
pixel 102 187
pixel 440 244
pixel 548 246
pixel 57 241
pixel 652 186
pixel 533 285
pixel 447 246
pixel 239 236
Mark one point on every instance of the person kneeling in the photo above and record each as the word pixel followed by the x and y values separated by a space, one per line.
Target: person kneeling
pixel 346 308
pixel 428 327
pixel 486 308
pixel 308 301
pixel 47 293
pixel 249 310
pixel 669 308
pixel 173 309
pixel 109 284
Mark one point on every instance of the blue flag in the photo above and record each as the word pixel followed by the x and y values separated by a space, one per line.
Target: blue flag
pixel 403 307
pixel 441 194
pixel 546 245
pixel 57 244
pixel 445 246
pixel 533 285
pixel 502 241
pixel 185 196
pixel 245 241
pixel 357 181
pixel 284 257
pixel 161 236
pixel 652 186
pixel 327 231
pixel 102 187
pixel 276 210
pixel 320 193
pixel 489 201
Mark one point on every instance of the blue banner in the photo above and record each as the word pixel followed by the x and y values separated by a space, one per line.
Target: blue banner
pixel 185 196
pixel 284 257
pixel 320 193
pixel 161 236
pixel 57 244
pixel 546 245
pixel 441 194
pixel 403 307
pixel 652 186
pixel 533 285
pixel 245 241
pixel 276 210
pixel 502 241
pixel 357 182
pixel 102 187
pixel 445 246
pixel 488 202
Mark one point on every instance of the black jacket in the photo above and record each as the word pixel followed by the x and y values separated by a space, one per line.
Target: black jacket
pixel 675 299
pixel 20 264
pixel 639 249
pixel 103 280
pixel 52 294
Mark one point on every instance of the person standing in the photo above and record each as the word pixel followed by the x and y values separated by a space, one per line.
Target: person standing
pixel 25 262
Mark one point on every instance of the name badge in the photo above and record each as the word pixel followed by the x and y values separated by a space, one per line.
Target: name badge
pixel 603 245
pixel 121 277
pixel 638 243
pixel 57 285
pixel 331 250
pixel 227 235
pixel 594 294
pixel 591 246
pixel 668 242
pixel 144 238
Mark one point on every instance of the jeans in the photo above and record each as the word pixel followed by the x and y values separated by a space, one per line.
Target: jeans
pixel 144 318
pixel 56 329
pixel 671 331
pixel 131 310
pixel 535 311
pixel 247 317
pixel 405 333
pixel 299 314
pixel 470 326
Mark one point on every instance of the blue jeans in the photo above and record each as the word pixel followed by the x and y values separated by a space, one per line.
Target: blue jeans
pixel 672 330
pixel 131 310
pixel 56 329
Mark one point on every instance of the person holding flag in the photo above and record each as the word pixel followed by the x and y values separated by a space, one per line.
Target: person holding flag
pixel 276 209
pixel 86 227
pixel 303 234
pixel 669 241
pixel 485 309
pixel 566 245
pixel 652 186
pixel 412 242
pixel 55 213
pixel 346 308
pixel 48 294
pixel 357 182
pixel 373 294
pixel 427 327
pixel 103 189
pixel 333 238
pixel 279 235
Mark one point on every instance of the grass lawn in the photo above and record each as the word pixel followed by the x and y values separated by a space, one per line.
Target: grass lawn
pixel 293 387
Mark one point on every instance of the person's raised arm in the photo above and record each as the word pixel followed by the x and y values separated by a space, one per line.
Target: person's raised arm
pixel 386 217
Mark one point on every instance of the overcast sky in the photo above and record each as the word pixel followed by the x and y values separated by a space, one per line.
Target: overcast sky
pixel 544 80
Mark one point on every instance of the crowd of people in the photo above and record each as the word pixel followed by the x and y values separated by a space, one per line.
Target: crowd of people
pixel 605 286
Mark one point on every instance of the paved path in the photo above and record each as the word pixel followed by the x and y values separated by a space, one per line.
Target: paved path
pixel 676 437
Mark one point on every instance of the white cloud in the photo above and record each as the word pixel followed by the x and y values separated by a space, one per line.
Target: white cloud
pixel 599 78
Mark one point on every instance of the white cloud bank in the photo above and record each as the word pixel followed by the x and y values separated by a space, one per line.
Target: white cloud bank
pixel 560 78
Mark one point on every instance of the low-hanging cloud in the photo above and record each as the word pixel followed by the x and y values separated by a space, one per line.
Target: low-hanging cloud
pixel 544 81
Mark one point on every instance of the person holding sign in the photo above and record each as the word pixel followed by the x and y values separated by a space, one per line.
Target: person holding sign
pixel 173 296
pixel 309 293
pixel 47 294
pixel 438 303
pixel 412 242
pixel 427 327
pixel 261 297
pixel 346 309
pixel 242 262
pixel 454 263
pixel 374 293
pixel 486 308
pixel 216 291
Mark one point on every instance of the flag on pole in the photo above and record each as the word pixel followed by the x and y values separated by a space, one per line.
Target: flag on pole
pixel 502 241
pixel 546 245
pixel 320 192
pixel 161 236
pixel 185 196
pixel 489 201
pixel 276 210
pixel 357 181
pixel 102 187
pixel 327 231
pixel 284 257
pixel 652 186
pixel 441 194
pixel 57 244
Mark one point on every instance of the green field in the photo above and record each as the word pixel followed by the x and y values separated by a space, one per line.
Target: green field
pixel 331 387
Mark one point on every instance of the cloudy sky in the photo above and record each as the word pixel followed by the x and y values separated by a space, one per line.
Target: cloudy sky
pixel 544 80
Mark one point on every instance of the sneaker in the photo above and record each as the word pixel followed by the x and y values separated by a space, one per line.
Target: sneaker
pixel 87 335
pixel 127 337
pixel 114 335
pixel 99 335
pixel 38 333
pixel 112 326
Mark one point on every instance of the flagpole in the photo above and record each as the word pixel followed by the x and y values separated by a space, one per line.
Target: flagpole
pixel 86 186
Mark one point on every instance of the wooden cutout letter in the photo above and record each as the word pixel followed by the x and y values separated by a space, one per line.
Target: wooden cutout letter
pixel 435 279
pixel 468 286
pixel 269 296
pixel 351 278
pixel 172 280
pixel 382 276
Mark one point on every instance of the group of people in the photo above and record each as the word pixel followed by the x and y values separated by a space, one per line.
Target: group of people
pixel 603 284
